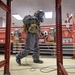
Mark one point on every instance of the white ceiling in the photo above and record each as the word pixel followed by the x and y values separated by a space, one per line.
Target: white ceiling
pixel 25 7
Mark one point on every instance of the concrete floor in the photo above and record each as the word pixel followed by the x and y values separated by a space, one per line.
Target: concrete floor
pixel 30 68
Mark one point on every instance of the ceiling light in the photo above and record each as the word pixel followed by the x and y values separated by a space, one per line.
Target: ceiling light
pixel 17 16
pixel 48 14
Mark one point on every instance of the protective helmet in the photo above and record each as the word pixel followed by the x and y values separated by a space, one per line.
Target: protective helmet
pixel 39 14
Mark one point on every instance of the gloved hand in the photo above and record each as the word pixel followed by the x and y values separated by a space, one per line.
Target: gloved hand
pixel 42 33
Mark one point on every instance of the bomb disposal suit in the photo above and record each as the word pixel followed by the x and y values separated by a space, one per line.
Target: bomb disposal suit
pixel 32 28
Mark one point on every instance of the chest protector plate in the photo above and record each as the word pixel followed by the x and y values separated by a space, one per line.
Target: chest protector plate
pixel 32 25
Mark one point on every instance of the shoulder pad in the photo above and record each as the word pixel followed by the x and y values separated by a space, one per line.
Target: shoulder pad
pixel 26 19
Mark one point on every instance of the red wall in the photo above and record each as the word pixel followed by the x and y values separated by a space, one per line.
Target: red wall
pixel 65 32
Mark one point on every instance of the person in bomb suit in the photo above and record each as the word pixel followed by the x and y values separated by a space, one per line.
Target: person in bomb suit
pixel 32 28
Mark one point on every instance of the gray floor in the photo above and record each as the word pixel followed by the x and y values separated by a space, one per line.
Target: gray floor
pixel 30 68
